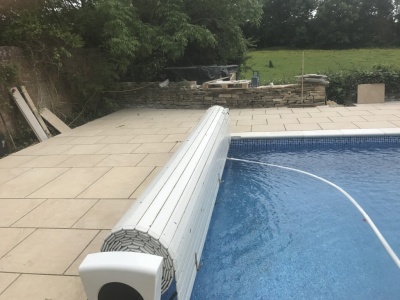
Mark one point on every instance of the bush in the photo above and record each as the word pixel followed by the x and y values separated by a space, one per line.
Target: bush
pixel 8 73
pixel 343 85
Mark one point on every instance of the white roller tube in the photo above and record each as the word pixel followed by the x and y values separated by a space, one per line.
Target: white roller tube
pixel 171 218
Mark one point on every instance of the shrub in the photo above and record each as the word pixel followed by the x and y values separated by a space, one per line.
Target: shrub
pixel 343 85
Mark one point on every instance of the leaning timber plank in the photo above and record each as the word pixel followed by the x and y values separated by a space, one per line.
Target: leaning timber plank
pixel 29 116
pixel 35 111
pixel 54 120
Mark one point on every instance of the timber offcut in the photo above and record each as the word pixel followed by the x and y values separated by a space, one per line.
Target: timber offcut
pixel 220 84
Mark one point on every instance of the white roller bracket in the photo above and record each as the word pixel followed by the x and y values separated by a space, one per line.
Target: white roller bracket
pixel 171 218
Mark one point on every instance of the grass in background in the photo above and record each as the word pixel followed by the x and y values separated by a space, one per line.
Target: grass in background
pixel 287 63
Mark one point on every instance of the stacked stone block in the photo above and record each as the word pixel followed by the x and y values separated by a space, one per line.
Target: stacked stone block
pixel 185 95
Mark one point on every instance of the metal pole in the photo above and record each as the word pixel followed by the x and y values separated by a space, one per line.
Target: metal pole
pixel 302 79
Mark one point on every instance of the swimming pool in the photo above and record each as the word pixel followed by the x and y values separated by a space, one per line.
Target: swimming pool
pixel 280 234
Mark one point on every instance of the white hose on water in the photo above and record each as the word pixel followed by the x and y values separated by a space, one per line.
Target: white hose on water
pixel 352 200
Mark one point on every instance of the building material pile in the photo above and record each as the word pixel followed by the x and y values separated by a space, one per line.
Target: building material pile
pixel 313 78
pixel 34 116
pixel 231 84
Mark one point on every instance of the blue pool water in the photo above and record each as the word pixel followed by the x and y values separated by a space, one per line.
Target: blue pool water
pixel 278 234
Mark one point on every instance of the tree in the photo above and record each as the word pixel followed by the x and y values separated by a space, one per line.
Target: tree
pixel 335 23
pixel 396 20
pixel 39 27
pixel 138 37
pixel 224 19
pixel 376 22
pixel 286 23
pixel 354 23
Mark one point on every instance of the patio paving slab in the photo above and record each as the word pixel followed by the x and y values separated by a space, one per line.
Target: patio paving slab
pixel 155 159
pixel 93 247
pixel 118 149
pixel 78 132
pixel 397 123
pixel 379 112
pixel 28 182
pixel 381 124
pixel 51 150
pixel 119 182
pixel 325 114
pixel 47 251
pixel 6 279
pixel 245 117
pixel 70 184
pixel 11 210
pixel 104 214
pixel 348 119
pixel 348 113
pixel 283 121
pixel 252 122
pixel 118 139
pixel 45 287
pixel 14 161
pixel 87 140
pixel 382 118
pixel 145 130
pixel 296 115
pixel 246 112
pixel 332 126
pixel 121 160
pixel 47 161
pixel 81 161
pixel 85 149
pixel 116 132
pixel 315 120
pixel 242 128
pixel 302 127
pixel 154 148
pixel 8 174
pixel 185 124
pixel 175 138
pixel 11 237
pixel 272 127
pixel 266 117
pixel 148 138
pixel 56 213
pixel 177 130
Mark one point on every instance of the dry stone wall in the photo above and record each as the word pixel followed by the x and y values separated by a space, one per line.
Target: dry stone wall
pixel 185 95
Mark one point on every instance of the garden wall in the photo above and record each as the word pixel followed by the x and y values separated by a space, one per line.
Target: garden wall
pixel 185 95
pixel 45 89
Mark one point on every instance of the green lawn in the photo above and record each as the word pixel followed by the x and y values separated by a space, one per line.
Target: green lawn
pixel 287 63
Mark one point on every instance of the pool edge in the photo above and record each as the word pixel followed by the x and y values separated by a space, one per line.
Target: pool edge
pixel 317 133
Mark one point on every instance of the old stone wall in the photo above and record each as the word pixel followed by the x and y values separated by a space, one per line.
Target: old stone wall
pixel 185 95
pixel 46 89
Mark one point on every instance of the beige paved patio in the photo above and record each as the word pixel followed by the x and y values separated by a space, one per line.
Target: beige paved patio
pixel 60 198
